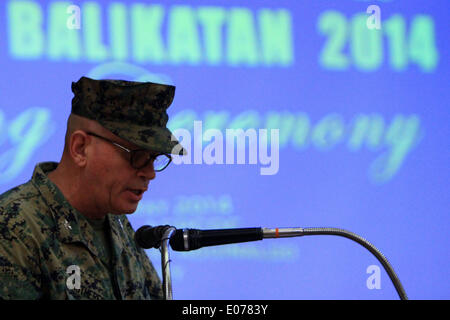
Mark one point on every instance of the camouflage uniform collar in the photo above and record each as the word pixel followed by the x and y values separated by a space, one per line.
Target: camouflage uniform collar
pixel 117 233
pixel 71 226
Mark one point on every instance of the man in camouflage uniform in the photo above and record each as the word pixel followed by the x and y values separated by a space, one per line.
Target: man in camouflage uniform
pixel 64 234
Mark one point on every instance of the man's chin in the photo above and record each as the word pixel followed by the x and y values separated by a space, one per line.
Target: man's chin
pixel 127 210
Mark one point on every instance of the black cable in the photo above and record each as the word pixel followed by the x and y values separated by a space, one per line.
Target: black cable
pixel 366 244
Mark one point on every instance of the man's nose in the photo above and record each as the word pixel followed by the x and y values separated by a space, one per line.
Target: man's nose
pixel 147 172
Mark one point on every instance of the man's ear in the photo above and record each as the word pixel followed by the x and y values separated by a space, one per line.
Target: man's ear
pixel 79 141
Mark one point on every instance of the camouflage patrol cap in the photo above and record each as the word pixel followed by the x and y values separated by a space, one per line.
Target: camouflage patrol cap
pixel 134 111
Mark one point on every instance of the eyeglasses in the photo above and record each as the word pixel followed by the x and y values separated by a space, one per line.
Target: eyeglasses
pixel 140 158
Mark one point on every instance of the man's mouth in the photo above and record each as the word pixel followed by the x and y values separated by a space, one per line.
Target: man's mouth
pixel 138 192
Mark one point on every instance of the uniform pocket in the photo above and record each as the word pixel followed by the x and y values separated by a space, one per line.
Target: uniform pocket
pixel 91 286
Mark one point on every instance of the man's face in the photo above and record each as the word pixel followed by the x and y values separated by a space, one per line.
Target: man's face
pixel 115 186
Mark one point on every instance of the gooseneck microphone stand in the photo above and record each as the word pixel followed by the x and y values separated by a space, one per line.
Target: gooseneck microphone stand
pixel 191 239
pixel 165 263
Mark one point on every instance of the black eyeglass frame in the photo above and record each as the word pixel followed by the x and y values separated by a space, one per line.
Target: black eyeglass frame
pixel 133 152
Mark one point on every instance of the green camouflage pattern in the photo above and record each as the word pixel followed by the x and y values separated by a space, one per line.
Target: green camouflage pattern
pixel 41 235
pixel 134 111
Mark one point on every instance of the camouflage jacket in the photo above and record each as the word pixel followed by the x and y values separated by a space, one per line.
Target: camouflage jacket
pixel 46 246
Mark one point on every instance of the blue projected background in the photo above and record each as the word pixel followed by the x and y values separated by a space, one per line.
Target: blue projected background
pixel 363 121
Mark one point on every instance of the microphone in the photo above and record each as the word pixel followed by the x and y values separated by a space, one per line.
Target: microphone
pixel 191 239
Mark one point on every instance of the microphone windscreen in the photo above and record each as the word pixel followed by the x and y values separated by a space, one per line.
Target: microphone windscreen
pixel 145 237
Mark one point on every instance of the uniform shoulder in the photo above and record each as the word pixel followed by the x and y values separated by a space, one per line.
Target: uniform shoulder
pixel 15 202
